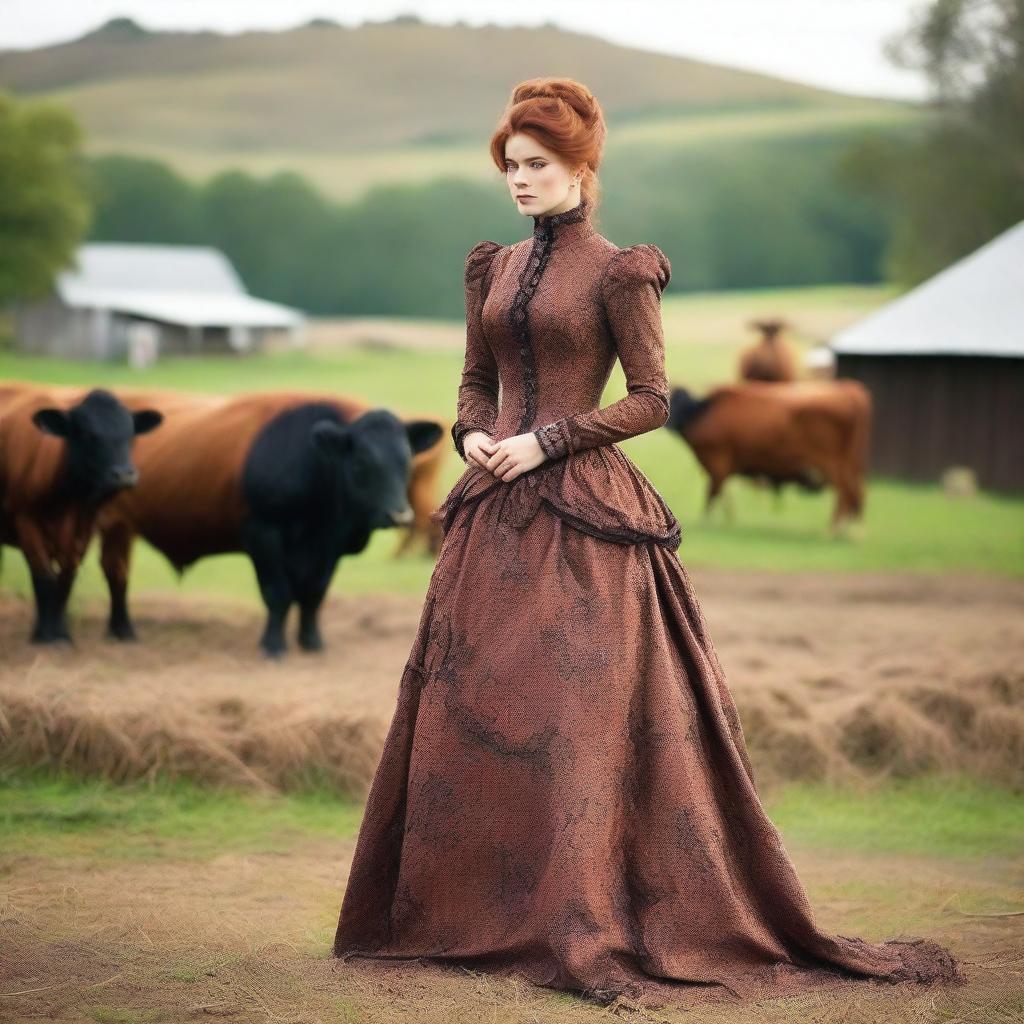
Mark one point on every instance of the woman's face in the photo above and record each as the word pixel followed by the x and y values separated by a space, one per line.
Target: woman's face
pixel 538 180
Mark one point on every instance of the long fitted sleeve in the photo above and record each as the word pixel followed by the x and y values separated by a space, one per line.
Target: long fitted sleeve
pixel 631 290
pixel 477 405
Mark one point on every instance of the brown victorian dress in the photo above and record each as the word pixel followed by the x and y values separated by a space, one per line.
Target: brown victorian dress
pixel 565 790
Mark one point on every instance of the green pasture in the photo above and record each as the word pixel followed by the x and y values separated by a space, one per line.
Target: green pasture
pixel 346 175
pixel 907 526
pixel 54 815
pixel 119 821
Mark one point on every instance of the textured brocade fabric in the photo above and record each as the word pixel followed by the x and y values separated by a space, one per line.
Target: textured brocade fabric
pixel 600 491
pixel 477 406
pixel 631 289
pixel 565 792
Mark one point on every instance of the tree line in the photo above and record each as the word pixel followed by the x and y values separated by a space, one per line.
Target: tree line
pixel 750 215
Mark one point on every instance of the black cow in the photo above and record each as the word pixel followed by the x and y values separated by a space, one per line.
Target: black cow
pixel 295 483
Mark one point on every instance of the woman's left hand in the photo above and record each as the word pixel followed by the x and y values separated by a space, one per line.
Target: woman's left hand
pixel 514 456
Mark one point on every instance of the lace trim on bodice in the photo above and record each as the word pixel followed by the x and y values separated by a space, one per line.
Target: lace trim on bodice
pixel 545 229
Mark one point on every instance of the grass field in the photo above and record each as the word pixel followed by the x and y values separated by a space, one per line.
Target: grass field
pixel 911 527
pixel 345 176
pixel 280 101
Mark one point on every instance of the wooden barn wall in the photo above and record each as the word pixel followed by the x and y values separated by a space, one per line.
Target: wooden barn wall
pixel 932 412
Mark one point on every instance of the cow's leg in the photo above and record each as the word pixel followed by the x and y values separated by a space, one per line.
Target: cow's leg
pixel 715 484
pixel 851 523
pixel 310 598
pixel 840 510
pixel 116 558
pixel 45 585
pixel 65 581
pixel 855 490
pixel 266 549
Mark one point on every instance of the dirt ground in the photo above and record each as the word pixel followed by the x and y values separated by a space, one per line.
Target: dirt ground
pixel 247 938
pixel 837 676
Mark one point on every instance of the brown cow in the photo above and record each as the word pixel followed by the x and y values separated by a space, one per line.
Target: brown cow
pixel 294 479
pixel 805 432
pixel 772 358
pixel 63 453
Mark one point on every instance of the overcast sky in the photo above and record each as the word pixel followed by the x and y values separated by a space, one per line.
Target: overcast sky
pixel 834 43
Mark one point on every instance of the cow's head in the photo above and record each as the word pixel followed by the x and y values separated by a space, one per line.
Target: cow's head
pixel 372 457
pixel 98 432
pixel 683 409
pixel 769 329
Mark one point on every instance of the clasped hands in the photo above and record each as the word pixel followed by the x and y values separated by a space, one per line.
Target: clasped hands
pixel 506 459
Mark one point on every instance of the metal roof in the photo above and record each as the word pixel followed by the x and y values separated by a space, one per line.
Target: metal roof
pixel 973 307
pixel 179 284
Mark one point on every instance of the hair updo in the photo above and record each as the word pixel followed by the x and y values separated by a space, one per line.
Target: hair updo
pixel 562 115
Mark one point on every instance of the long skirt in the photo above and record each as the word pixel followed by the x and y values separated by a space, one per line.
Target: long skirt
pixel 565 791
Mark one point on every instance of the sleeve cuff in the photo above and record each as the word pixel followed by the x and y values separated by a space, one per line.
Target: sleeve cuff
pixel 554 439
pixel 459 431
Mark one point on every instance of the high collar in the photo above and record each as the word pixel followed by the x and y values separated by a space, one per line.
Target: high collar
pixel 558 225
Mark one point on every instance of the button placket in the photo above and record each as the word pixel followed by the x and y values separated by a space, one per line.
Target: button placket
pixel 543 241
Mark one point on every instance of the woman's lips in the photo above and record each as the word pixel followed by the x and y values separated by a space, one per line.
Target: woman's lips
pixel 526 197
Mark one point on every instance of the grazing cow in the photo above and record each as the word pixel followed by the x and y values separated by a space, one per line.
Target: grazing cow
pixel 63 453
pixel 293 480
pixel 806 432
pixel 772 358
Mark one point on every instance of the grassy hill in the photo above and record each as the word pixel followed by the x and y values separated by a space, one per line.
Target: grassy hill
pixel 389 101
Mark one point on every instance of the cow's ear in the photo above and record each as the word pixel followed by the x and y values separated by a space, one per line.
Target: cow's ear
pixel 52 421
pixel 147 420
pixel 332 437
pixel 423 434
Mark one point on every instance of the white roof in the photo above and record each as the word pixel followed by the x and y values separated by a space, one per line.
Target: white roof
pixel 974 307
pixel 178 284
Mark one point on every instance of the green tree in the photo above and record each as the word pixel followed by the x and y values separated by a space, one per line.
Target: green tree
pixel 270 228
pixel 141 200
pixel 960 181
pixel 44 205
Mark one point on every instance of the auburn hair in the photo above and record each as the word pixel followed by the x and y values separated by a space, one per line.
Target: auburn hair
pixel 563 115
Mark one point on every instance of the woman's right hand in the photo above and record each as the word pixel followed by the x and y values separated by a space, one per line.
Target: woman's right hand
pixel 478 447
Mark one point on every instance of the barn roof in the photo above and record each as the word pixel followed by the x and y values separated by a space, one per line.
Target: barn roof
pixel 179 284
pixel 973 307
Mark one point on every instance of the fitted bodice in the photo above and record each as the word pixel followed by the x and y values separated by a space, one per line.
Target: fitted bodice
pixel 545 320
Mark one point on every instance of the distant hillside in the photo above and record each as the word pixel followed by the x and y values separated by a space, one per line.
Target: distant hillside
pixel 326 88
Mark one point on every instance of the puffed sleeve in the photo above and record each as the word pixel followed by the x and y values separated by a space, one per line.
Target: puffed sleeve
pixel 631 290
pixel 477 405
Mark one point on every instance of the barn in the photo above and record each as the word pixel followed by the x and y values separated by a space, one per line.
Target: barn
pixel 134 301
pixel 945 366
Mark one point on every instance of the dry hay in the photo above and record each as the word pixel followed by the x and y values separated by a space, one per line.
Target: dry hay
pixel 246 938
pixel 281 747
pixel 195 700
pixel 837 678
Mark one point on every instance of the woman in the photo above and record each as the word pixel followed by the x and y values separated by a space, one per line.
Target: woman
pixel 565 790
